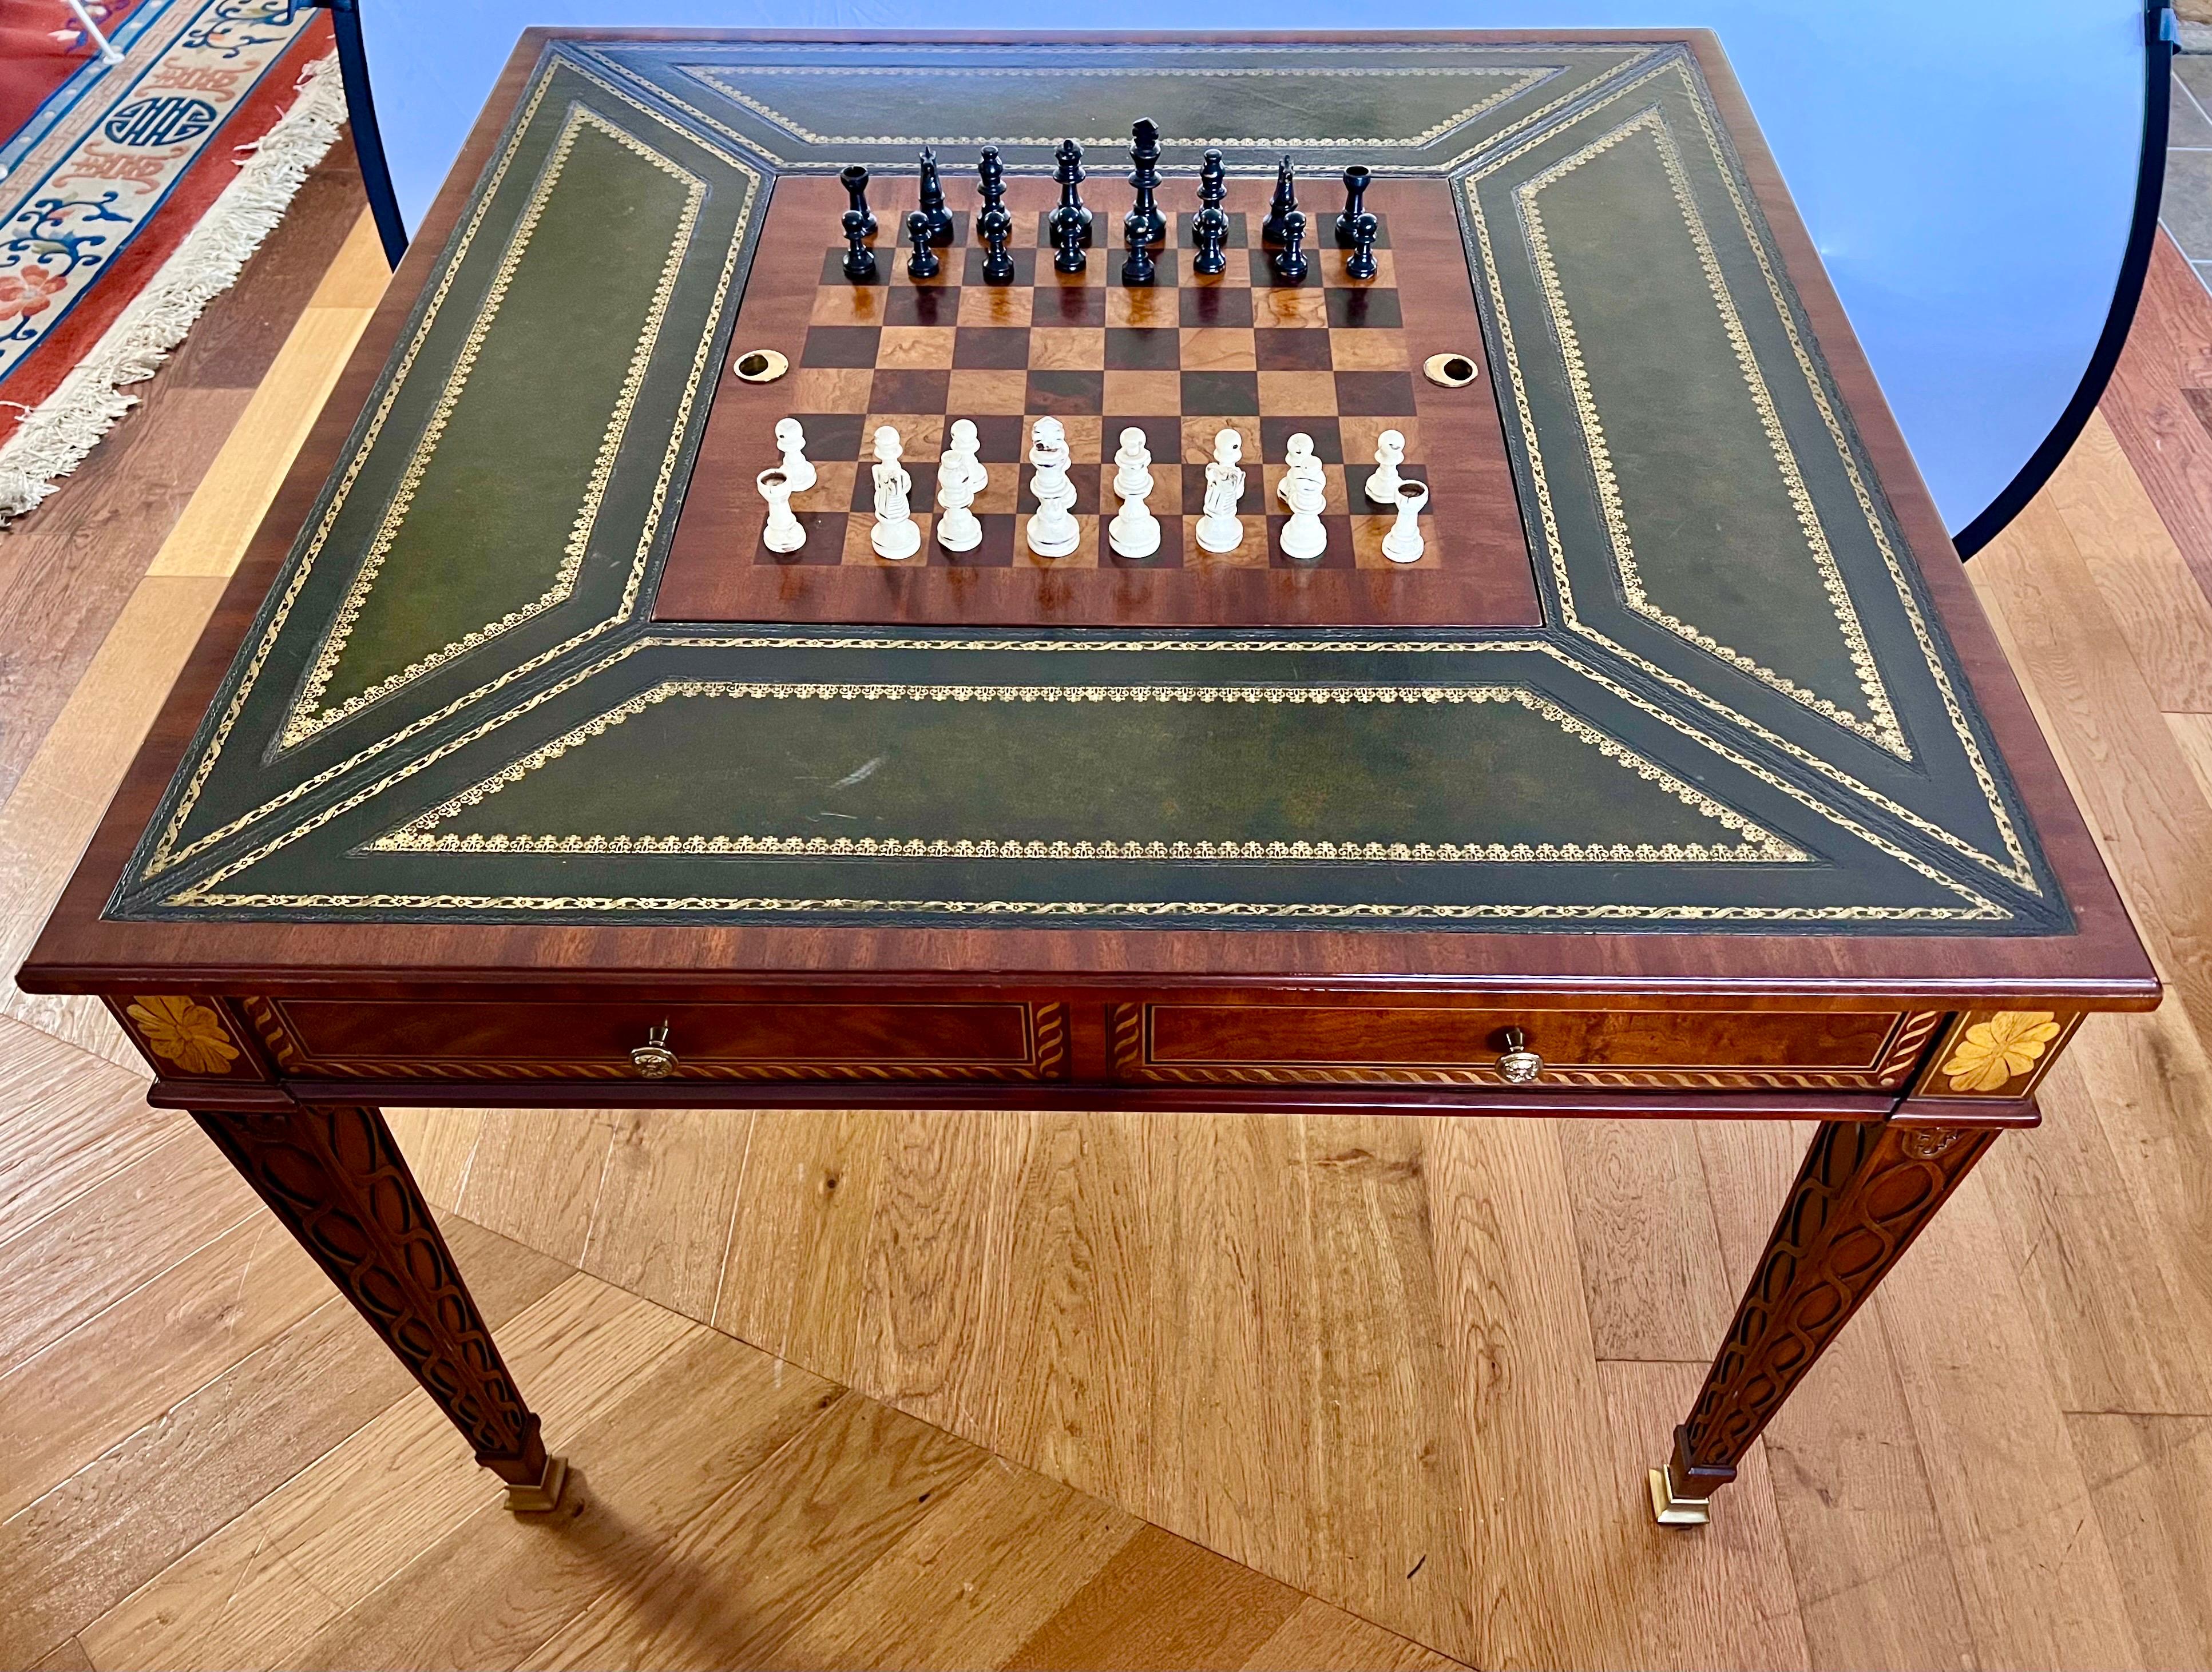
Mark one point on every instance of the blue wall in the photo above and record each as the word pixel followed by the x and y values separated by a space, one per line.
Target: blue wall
pixel 1968 172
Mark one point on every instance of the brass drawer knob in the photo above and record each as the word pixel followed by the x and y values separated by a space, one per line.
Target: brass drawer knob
pixel 654 1059
pixel 1519 1065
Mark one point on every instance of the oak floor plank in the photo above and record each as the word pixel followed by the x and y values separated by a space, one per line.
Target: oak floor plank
pixel 252 1593
pixel 68 1119
pixel 438 1145
pixel 738 1582
pixel 1874 1582
pixel 2150 1478
pixel 1651 1266
pixel 67 1657
pixel 198 1462
pixel 536 1175
pixel 497 1586
pixel 660 1225
pixel 1319 1636
pixel 1161 1600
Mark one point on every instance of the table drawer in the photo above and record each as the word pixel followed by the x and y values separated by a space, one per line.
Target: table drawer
pixel 369 1038
pixel 1672 1050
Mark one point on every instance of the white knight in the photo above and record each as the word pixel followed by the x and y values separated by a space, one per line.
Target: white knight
pixel 1218 529
pixel 896 534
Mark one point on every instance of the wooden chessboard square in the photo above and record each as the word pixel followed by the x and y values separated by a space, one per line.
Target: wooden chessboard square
pixel 922 495
pixel 1086 439
pixel 970 394
pixel 831 388
pixel 921 435
pixel 991 347
pixel 1311 392
pixel 926 304
pixel 1376 394
pixel 1068 305
pixel 841 345
pixel 1199 433
pixel 1270 475
pixel 1152 308
pixel 1001 533
pixel 843 304
pixel 1359 350
pixel 1097 261
pixel 1167 266
pixel 1162 439
pixel 1359 434
pixel 1330 264
pixel 1365 308
pixel 1224 394
pixel 1215 307
pixel 1132 348
pixel 1336 554
pixel 832 435
pixel 1260 265
pixel 1283 304
pixel 1216 349
pixel 1292 351
pixel 1068 348
pixel 1002 492
pixel 1026 263
pixel 894 390
pixel 1065 394
pixel 833 266
pixel 1327 438
pixel 1147 393
pixel 1250 553
pixel 1000 305
pixel 822 512
pixel 914 347
pixel 859 552
pixel 1367 529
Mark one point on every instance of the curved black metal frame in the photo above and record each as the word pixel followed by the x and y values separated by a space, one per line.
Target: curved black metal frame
pixel 2159 44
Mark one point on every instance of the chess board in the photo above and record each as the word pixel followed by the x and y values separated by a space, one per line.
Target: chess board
pixel 1181 360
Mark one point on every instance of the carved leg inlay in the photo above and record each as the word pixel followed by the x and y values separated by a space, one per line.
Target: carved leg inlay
pixel 1862 1195
pixel 338 1181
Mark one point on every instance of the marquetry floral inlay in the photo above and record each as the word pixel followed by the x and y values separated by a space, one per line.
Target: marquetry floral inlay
pixel 184 1031
pixel 1993 1052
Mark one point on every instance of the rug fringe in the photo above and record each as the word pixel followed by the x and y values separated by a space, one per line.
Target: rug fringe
pixel 54 437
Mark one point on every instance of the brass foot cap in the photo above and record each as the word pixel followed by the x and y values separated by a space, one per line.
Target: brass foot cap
pixel 543 1498
pixel 1670 1511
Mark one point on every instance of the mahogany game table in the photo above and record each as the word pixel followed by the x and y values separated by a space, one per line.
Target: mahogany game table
pixel 1681 776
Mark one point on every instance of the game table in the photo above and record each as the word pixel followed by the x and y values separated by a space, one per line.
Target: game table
pixel 1679 777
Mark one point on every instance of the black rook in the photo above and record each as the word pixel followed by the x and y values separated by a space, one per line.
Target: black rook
pixel 854 179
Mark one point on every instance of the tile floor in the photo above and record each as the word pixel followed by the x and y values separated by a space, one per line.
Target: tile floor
pixel 2186 209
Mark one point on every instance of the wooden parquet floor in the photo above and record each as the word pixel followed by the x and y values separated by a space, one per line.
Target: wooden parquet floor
pixel 1050 1391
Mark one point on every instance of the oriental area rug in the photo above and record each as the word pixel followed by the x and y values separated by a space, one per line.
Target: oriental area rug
pixel 134 189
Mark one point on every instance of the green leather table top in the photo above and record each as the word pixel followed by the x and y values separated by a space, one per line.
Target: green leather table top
pixel 1741 712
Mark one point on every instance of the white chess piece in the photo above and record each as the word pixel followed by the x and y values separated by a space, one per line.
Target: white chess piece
pixel 1218 529
pixel 1134 531
pixel 958 530
pixel 791 441
pixel 1299 460
pixel 784 532
pixel 1389 454
pixel 1404 544
pixel 1133 471
pixel 1052 532
pixel 960 460
pixel 896 534
pixel 1304 536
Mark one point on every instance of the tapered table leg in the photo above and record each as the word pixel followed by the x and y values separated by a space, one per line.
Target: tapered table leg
pixel 1862 1195
pixel 339 1184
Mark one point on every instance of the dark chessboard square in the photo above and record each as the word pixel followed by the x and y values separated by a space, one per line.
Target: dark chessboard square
pixel 1363 308
pixel 1263 269
pixel 920 305
pixel 909 391
pixel 1025 267
pixel 833 267
pixel 825 547
pixel 998 435
pixel 1221 394
pixel 1082 478
pixel 1067 394
pixel 1291 351
pixel 841 345
pixel 924 494
pixel 1238 236
pixel 1069 305
pixel 1226 306
pixel 1275 437
pixel 831 434
pixel 1162 439
pixel 1375 394
pixel 1137 348
pixel 991 347
pixel 1170 555
pixel 1336 555
pixel 1000 533
pixel 1164 260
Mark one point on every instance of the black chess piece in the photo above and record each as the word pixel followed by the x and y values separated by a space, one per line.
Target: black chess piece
pixel 1355 179
pixel 1360 264
pixel 860 260
pixel 1069 172
pixel 991 178
pixel 923 262
pixel 854 179
pixel 932 199
pixel 1068 242
pixel 1144 152
pixel 1139 269
pixel 1290 259
pixel 1284 205
pixel 1212 188
pixel 995 227
pixel 1210 229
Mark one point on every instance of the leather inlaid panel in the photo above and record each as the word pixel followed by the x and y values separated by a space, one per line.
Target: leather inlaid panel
pixel 1204 1044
